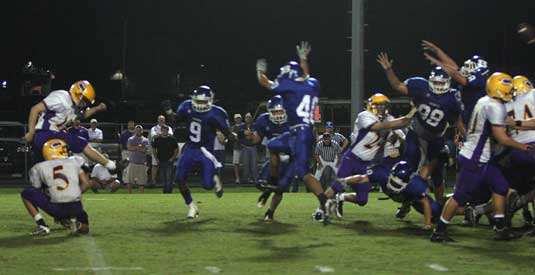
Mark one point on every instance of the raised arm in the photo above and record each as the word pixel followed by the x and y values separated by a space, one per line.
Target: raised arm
pixel 451 70
pixel 91 111
pixel 391 76
pixel 303 50
pixel 261 68
pixel 442 56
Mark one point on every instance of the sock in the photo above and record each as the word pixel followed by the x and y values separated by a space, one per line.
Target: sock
pixel 499 221
pixel 342 196
pixel 442 225
pixel 322 198
pixel 39 220
pixel 186 194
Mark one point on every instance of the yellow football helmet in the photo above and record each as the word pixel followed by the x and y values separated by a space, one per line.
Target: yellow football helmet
pixel 55 149
pixel 500 86
pixel 82 90
pixel 377 105
pixel 522 85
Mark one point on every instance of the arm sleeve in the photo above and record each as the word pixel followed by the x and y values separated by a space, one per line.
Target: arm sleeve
pixel 365 120
pixel 342 138
pixel 476 80
pixel 55 102
pixel 496 113
pixel 221 120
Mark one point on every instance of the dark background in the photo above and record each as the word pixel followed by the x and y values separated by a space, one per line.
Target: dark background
pixel 216 42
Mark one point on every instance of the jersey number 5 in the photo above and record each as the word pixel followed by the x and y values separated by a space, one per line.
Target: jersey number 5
pixel 306 108
pixel 58 175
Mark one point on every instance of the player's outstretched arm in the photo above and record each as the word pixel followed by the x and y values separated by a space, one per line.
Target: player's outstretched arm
pixel 386 64
pixel 99 108
pixel 520 124
pixel 261 68
pixel 461 129
pixel 449 69
pixel 32 120
pixel 442 56
pixel 397 123
pixel 498 131
pixel 303 50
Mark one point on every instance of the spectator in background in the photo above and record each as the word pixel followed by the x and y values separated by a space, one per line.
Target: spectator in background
pixel 95 135
pixel 335 136
pixel 102 179
pixel 123 138
pixel 78 130
pixel 137 166
pixel 249 151
pixel 327 154
pixel 156 131
pixel 165 148
pixel 236 149
pixel 219 151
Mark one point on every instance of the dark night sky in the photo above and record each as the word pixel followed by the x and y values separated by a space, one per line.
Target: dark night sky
pixel 83 39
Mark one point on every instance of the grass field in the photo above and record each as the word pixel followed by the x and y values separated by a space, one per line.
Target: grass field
pixel 148 234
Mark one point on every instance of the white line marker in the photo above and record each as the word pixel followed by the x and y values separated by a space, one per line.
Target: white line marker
pixel 107 268
pixel 438 267
pixel 96 199
pixel 213 269
pixel 324 269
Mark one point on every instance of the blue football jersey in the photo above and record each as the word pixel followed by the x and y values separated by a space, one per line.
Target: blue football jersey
pixel 300 99
pixel 268 129
pixel 434 111
pixel 202 126
pixel 473 91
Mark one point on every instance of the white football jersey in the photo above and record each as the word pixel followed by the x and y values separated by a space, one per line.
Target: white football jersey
pixel 487 112
pixel 523 108
pixel 59 111
pixel 60 177
pixel 366 143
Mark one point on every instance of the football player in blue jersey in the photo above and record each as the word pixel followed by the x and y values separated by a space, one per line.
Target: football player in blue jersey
pixel 203 121
pixel 300 93
pixel 438 106
pixel 471 77
pixel 270 125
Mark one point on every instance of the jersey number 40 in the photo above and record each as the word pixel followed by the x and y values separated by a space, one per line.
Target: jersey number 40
pixel 306 108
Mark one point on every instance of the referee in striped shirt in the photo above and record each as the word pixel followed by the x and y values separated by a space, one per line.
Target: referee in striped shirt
pixel 335 136
pixel 327 154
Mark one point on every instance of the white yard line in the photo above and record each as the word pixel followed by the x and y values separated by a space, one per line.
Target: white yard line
pixel 438 267
pixel 108 268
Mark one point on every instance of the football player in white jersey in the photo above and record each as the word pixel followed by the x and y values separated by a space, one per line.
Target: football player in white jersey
pixel 518 170
pixel 372 127
pixel 57 187
pixel 49 118
pixel 476 172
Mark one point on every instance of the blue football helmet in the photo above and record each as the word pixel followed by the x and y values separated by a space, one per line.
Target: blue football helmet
pixel 202 99
pixel 399 177
pixel 291 71
pixel 439 81
pixel 474 63
pixel 276 110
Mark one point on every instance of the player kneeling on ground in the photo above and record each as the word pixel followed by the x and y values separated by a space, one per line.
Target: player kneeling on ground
pixel 63 181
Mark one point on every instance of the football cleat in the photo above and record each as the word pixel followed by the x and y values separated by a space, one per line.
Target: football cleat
pixel 218 186
pixel 339 207
pixel 193 211
pixel 318 215
pixel 403 210
pixel 440 237
pixel 269 215
pixel 528 218
pixel 263 198
pixel 330 207
pixel 74 225
pixel 504 234
pixel 40 230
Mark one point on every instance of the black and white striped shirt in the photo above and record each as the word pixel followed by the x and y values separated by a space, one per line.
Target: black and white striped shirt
pixel 328 152
pixel 339 138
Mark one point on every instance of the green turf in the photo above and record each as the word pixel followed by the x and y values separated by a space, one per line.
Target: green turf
pixel 148 234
